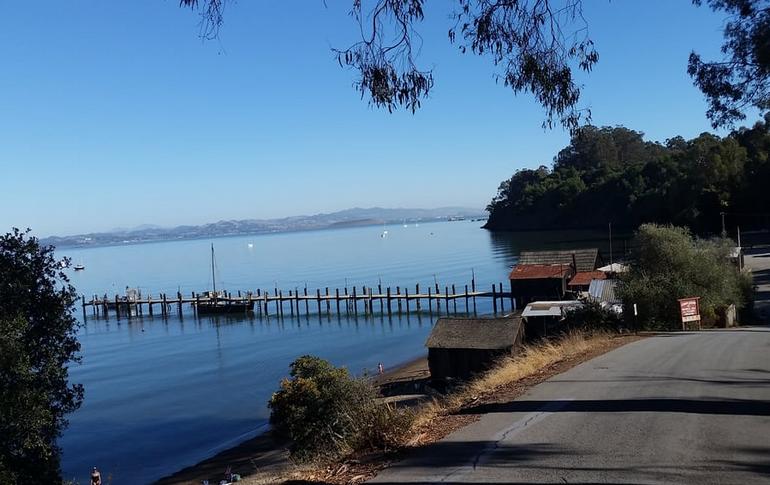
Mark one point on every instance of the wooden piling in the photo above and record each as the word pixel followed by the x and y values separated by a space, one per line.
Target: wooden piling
pixel 355 302
pixel 280 303
pixel 446 299
pixel 417 292
pixel 430 302
pixel 398 298
pixel 337 298
pixel 494 299
pixel 454 299
pixel 318 299
pixel 406 297
pixel 389 311
pixel 502 300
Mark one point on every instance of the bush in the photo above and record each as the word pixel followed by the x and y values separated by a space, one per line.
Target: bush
pixel 328 414
pixel 668 263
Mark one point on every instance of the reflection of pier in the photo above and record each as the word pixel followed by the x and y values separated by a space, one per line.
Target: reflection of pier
pixel 360 299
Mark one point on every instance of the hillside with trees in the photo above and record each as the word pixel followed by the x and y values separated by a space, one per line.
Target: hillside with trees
pixel 612 174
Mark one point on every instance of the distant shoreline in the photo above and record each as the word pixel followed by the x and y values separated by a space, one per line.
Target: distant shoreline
pixel 58 246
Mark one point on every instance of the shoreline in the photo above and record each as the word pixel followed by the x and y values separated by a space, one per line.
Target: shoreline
pixel 262 454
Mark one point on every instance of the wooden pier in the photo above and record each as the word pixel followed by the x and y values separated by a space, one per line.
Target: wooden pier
pixel 366 300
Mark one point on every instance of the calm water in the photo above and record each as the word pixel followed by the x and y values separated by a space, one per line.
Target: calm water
pixel 161 394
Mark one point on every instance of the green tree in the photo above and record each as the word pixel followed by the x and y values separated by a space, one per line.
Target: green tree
pixel 326 413
pixel 742 79
pixel 37 344
pixel 668 263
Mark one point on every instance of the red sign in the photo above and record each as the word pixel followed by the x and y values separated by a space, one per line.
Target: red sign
pixel 689 309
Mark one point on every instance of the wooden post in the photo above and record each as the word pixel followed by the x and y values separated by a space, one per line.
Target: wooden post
pixel 406 297
pixel 179 302
pixel 165 308
pixel 307 305
pixel 446 299
pixel 417 292
pixel 389 300
pixel 83 301
pixel 318 299
pixel 494 299
pixel 454 298
pixel 398 298
pixel 117 307
pixel 379 292
pixel 430 302
pixel 371 300
pixel 328 303
pixel 337 298
pixel 266 297
pixel 513 300
pixel 355 302
pixel 291 303
pixel 347 302
pixel 466 298
pixel 280 302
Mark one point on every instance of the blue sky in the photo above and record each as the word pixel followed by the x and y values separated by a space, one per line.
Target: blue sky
pixel 114 113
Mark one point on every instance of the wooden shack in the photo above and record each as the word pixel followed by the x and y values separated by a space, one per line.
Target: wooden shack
pixel 544 275
pixel 461 347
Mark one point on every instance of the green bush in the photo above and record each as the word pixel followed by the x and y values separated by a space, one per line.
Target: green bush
pixel 668 263
pixel 327 414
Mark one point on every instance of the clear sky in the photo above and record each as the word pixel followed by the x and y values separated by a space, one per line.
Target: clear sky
pixel 115 114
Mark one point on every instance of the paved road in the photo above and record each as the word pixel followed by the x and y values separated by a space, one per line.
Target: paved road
pixel 679 408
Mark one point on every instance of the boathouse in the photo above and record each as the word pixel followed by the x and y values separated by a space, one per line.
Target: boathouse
pixel 461 347
pixel 545 275
pixel 582 280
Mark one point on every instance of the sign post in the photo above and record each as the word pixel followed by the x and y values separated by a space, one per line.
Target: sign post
pixel 690 310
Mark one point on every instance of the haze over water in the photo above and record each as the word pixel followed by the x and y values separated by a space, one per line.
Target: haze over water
pixel 162 394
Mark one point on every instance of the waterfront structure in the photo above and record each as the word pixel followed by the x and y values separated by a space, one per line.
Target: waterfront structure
pixel 544 275
pixel 461 347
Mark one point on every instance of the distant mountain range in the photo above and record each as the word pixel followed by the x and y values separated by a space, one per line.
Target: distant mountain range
pixel 345 218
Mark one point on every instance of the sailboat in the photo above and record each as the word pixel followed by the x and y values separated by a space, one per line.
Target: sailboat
pixel 219 303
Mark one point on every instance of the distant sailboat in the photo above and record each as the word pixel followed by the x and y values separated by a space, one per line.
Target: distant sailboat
pixel 217 303
pixel 79 266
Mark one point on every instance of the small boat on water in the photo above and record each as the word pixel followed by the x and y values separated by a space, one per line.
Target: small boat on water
pixel 217 303
pixel 78 267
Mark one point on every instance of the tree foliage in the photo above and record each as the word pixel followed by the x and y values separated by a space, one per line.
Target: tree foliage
pixel 37 343
pixel 326 413
pixel 740 80
pixel 668 263
pixel 614 175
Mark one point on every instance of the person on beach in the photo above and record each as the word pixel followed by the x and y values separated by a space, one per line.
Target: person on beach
pixel 380 368
pixel 96 477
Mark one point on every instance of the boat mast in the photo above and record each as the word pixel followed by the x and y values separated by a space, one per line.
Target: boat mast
pixel 213 280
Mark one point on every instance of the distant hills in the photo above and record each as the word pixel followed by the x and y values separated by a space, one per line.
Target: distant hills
pixel 345 218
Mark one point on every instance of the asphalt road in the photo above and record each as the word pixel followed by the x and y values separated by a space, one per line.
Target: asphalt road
pixel 677 408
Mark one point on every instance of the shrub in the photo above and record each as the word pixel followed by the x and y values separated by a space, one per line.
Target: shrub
pixel 327 414
pixel 668 263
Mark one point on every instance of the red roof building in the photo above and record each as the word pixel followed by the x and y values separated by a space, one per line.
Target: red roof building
pixel 583 279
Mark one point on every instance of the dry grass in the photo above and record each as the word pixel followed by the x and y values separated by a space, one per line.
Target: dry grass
pixel 533 360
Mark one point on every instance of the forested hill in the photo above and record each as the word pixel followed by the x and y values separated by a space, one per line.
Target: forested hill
pixel 614 175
